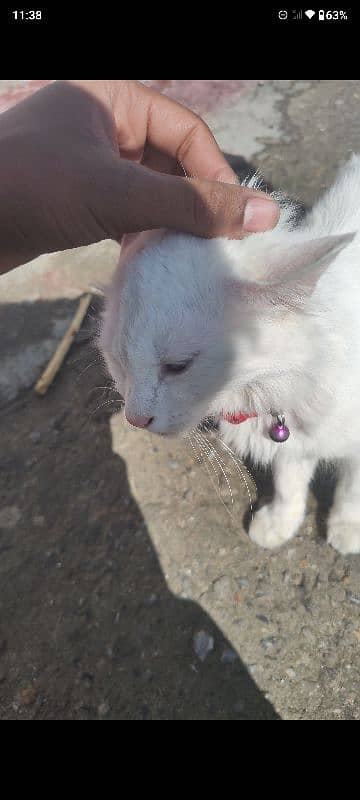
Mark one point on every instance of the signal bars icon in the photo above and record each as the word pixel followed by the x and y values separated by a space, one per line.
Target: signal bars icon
pixel 283 15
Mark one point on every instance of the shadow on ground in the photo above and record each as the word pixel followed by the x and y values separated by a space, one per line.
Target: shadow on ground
pixel 88 627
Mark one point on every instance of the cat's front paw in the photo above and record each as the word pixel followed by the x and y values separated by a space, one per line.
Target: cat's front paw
pixel 270 528
pixel 344 537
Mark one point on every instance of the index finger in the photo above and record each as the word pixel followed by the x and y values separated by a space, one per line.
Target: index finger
pixel 183 135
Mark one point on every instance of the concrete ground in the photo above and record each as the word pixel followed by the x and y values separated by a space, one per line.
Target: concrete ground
pixel 128 586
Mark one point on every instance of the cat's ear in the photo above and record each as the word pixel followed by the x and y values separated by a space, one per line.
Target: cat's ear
pixel 289 272
pixel 301 264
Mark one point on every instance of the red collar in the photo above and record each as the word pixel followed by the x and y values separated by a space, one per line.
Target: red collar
pixel 235 419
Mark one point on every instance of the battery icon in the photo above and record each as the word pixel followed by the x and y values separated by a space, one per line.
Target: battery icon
pixel 321 15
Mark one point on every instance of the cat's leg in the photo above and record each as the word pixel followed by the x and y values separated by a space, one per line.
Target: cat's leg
pixel 344 519
pixel 279 521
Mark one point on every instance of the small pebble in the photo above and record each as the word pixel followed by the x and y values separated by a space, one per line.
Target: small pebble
pixel 203 644
pixel 268 643
pixel 39 522
pixel 103 709
pixel 9 517
pixel 262 618
pixel 35 437
pixel 151 600
pixel 88 679
pixel 353 598
pixel 290 673
pixel 26 697
pixel 240 623
pixel 228 656
pixel 308 634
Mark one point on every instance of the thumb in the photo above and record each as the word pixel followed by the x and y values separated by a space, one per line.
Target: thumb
pixel 137 198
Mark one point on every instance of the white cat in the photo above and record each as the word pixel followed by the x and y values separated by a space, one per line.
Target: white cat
pixel 268 325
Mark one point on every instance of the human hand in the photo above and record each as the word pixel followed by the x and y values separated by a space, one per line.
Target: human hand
pixel 82 161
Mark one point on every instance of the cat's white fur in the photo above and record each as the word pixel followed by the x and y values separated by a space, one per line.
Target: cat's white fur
pixel 272 322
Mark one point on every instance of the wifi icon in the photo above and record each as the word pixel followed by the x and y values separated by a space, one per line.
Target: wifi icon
pixel 310 14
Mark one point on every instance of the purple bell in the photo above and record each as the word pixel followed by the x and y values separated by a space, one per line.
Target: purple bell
pixel 279 432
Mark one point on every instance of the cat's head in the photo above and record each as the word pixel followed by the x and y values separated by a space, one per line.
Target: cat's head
pixel 190 323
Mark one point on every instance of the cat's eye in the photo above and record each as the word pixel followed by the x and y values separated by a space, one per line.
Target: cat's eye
pixel 175 369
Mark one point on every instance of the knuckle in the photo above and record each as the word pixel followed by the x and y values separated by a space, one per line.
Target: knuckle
pixel 197 131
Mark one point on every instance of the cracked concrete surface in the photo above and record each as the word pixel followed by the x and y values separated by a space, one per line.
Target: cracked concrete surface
pixel 292 616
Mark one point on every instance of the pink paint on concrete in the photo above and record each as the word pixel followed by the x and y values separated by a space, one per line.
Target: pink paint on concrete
pixel 11 92
pixel 203 96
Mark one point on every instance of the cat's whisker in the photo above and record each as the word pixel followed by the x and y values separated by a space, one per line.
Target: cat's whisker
pixel 237 461
pixel 90 316
pixel 189 433
pixel 204 464
pixel 83 336
pixel 106 403
pixel 106 388
pixel 89 366
pixel 241 468
pixel 210 449
pixel 205 454
pixel 90 349
pixel 190 441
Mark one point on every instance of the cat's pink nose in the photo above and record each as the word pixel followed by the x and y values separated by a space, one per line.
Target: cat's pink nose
pixel 138 421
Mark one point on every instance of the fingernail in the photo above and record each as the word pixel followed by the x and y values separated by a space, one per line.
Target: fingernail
pixel 260 214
